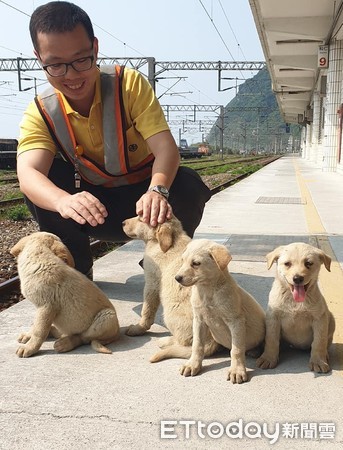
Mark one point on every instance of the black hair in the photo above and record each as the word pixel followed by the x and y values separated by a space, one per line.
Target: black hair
pixel 57 17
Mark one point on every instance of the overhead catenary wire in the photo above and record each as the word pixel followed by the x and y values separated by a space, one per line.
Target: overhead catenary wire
pixel 222 39
pixel 111 35
pixel 15 51
pixel 119 40
pixel 232 30
pixel 217 30
pixel 95 24
pixel 219 33
pixel 168 89
pixel 16 9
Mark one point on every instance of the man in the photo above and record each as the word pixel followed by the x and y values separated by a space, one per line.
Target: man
pixel 95 148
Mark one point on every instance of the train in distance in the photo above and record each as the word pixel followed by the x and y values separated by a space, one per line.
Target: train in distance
pixel 8 153
pixel 198 151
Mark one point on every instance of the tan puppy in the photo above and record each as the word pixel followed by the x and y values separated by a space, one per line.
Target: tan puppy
pixel 233 316
pixel 297 311
pixel 68 304
pixel 164 245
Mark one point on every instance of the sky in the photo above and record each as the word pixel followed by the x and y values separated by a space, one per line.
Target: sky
pixel 173 30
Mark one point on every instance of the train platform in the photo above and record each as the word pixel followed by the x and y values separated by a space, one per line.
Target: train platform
pixel 86 400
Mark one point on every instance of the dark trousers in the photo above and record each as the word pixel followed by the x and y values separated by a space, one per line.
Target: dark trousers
pixel 188 195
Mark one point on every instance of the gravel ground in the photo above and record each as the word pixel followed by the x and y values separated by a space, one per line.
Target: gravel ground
pixel 12 231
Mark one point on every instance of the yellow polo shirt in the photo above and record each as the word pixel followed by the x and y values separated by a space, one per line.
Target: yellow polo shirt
pixel 142 109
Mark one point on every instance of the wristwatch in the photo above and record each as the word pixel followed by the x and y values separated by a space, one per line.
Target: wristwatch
pixel 160 190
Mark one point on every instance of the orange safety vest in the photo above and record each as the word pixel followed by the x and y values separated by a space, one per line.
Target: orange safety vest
pixel 117 170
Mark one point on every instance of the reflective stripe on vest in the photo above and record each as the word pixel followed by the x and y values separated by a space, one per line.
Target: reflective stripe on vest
pixel 116 170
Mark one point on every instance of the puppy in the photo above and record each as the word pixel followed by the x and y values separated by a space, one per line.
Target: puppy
pixel 69 305
pixel 220 305
pixel 297 311
pixel 164 245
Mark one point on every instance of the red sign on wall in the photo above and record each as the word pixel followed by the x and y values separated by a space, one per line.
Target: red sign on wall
pixel 323 56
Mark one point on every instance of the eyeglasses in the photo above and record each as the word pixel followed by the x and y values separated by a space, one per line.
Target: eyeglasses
pixel 60 69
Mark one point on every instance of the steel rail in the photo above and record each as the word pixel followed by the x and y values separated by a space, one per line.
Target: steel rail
pixel 11 202
pixel 13 284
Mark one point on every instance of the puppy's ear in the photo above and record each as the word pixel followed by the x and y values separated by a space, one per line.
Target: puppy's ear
pixel 19 246
pixel 274 256
pixel 164 235
pixel 221 256
pixel 325 259
pixel 60 250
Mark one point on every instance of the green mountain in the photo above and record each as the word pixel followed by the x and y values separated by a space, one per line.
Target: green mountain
pixel 252 122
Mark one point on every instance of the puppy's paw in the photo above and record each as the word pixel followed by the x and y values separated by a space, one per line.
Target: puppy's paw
pixel 24 337
pixel 135 330
pixel 255 352
pixel 25 352
pixel 319 365
pixel 54 332
pixel 190 369
pixel 166 341
pixel 266 362
pixel 237 375
pixel 64 344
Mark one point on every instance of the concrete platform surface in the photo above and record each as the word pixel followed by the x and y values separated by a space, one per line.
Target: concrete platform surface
pixel 85 400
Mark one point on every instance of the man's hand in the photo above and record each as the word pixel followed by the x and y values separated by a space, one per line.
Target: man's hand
pixel 82 207
pixel 153 208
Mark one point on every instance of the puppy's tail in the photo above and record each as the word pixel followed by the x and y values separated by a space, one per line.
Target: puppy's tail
pixel 173 351
pixel 182 351
pixel 98 347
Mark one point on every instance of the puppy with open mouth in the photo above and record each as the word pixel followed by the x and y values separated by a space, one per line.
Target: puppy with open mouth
pixel 297 312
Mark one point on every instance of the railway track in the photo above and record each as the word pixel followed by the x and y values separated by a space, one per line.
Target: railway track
pixel 11 202
pixel 226 161
pixel 232 163
pixel 258 160
pixel 9 180
pixel 12 284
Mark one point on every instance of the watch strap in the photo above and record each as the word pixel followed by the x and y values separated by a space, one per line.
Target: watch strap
pixel 162 190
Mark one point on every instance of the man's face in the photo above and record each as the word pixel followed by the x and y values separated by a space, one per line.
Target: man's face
pixel 66 47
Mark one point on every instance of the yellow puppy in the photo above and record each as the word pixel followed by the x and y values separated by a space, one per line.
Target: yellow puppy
pixel 69 305
pixel 297 311
pixel 164 245
pixel 234 318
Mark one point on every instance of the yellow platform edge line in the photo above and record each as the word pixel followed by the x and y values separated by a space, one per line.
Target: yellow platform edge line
pixel 331 283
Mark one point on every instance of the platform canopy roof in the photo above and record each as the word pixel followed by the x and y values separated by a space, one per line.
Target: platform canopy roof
pixel 294 35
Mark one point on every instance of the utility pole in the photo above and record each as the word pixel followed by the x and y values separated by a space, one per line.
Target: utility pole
pixel 28 88
pixel 18 72
pixel 151 72
pixel 244 135
pixel 258 132
pixel 221 131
